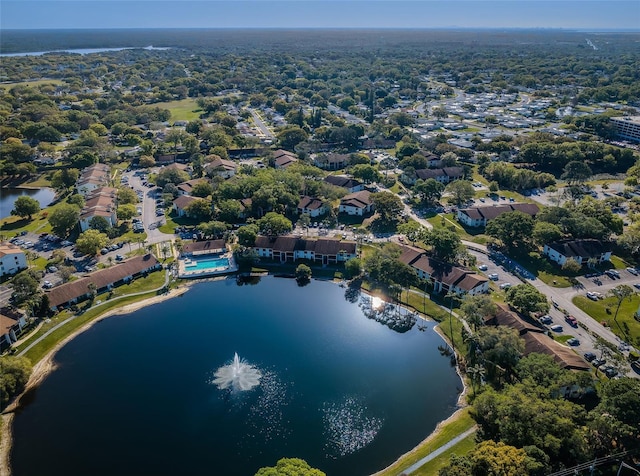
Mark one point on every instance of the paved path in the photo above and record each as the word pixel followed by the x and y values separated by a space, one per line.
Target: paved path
pixel 414 467
pixel 60 324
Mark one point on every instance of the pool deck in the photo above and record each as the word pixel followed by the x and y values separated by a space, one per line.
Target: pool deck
pixel 183 271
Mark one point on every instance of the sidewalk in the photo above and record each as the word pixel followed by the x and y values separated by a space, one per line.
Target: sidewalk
pixel 438 452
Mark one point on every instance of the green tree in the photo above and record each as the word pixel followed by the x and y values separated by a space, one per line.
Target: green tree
pixel 620 293
pixel 501 349
pixel 445 244
pixel 513 229
pixel 303 273
pixel 199 209
pixel 274 224
pixel 429 191
pixel 229 210
pixel 476 308
pixel 290 467
pixel 14 374
pixel 247 235
pixel 25 206
pixel 291 136
pixel 99 223
pixel 126 212
pixel 413 230
pixel 572 266
pixel 387 205
pixel 202 189
pixel 545 233
pixel 353 267
pixel 63 219
pixel 147 161
pixel 491 458
pixel 214 228
pixel 366 173
pixel 126 196
pixel 171 175
pixel 24 286
pixel 576 172
pixel 460 191
pixel 90 241
pixel 64 179
pixel 527 299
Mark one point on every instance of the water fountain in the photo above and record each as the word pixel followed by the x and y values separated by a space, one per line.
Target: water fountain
pixel 238 375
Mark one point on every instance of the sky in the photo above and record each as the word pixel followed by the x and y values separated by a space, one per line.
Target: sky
pixel 570 14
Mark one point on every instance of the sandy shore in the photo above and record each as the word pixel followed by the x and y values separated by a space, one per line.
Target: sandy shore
pixel 47 365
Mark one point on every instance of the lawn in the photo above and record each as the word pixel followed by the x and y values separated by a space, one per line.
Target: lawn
pixel 448 220
pixel 31 84
pixel 433 467
pixel 182 110
pixel 38 351
pixel 457 425
pixel 548 272
pixel 626 327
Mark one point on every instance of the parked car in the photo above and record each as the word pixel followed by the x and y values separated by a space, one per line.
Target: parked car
pixel 119 257
pixel 47 285
pixel 104 251
pixel 592 296
pixel 546 319
pixel 482 267
pixel 573 322
pixel 556 328
pixel 589 356
pixel 505 285
pixel 493 276
pixel 633 271
pixel 573 342
pixel 598 362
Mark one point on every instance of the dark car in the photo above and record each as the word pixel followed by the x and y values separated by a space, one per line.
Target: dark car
pixel 589 356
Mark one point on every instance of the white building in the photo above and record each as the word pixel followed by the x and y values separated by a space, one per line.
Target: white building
pixel 627 127
pixel 12 259
pixel 580 250
pixel 358 203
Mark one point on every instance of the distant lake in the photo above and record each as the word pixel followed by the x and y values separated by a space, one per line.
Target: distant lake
pixel 83 51
pixel 8 197
pixel 133 395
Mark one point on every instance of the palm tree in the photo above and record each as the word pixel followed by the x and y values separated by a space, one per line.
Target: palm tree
pixel 476 373
pixel 620 292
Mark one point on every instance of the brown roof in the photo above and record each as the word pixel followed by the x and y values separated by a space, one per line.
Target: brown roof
pixel 543 344
pixel 587 248
pixel 67 292
pixel 199 246
pixel 221 163
pixel 6 323
pixel 342 181
pixel 505 317
pixel 440 271
pixel 9 249
pixel 359 199
pixel 490 212
pixel 311 203
pixel 183 200
pixel 321 246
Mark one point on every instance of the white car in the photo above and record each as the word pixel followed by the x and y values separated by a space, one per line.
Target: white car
pixel 505 285
pixel 493 276
pixel 483 267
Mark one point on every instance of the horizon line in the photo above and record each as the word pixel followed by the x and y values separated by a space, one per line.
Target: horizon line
pixel 397 28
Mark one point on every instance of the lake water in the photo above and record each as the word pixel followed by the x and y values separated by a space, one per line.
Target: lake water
pixel 82 51
pixel 133 395
pixel 8 197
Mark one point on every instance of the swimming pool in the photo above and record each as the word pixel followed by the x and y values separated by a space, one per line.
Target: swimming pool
pixel 199 264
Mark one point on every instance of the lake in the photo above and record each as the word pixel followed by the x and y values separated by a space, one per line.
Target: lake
pixel 8 197
pixel 134 394
pixel 83 51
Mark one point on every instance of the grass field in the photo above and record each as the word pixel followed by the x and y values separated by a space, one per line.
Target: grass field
pixel 625 326
pixel 182 110
pixel 457 425
pixel 32 84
